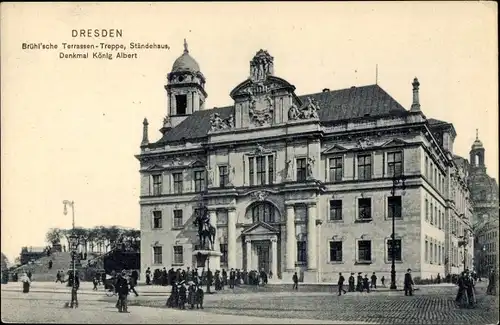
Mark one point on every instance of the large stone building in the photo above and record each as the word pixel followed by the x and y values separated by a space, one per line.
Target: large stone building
pixel 484 192
pixel 301 183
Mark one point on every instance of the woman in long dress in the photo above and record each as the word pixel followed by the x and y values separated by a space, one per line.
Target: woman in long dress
pixel 26 283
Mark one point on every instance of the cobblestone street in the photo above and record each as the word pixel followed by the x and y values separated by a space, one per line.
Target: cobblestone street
pixel 430 305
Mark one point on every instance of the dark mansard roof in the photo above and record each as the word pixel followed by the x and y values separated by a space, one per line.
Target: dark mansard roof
pixel 336 106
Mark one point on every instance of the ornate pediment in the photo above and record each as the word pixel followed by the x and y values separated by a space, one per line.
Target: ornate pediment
pixel 155 167
pixel 260 228
pixel 394 143
pixel 335 149
pixel 197 163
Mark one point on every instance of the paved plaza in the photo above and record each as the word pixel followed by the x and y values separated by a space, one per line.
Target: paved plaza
pixel 430 305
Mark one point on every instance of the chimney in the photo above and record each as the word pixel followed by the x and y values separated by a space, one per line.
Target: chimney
pixel 325 90
pixel 415 106
pixel 145 140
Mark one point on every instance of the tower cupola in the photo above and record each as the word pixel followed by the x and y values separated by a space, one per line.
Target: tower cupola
pixel 185 88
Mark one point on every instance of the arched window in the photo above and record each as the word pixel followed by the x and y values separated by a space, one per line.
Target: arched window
pixel 263 211
pixel 476 162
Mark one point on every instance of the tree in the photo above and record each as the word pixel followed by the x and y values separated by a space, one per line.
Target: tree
pixel 53 236
pixel 82 234
pixel 5 262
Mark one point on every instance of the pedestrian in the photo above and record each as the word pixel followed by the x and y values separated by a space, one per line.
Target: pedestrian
pixel 491 289
pixel 29 274
pixel 133 282
pixel 74 291
pixel 26 282
pixel 232 278
pixel 373 284
pixel 122 290
pixel 50 264
pixel 295 280
pixel 366 284
pixel 148 276
pixel 95 281
pixel 461 288
pixel 340 283
pixel 408 283
pixel 351 283
pixel 383 281
pixel 182 295
pixel 59 276
pixel 359 283
pixel 438 279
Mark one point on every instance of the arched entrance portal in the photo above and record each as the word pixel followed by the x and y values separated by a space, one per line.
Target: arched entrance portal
pixel 261 238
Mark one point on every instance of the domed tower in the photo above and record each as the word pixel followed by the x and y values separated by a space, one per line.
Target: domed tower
pixel 185 88
pixel 477 153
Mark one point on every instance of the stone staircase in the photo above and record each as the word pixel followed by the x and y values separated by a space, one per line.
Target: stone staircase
pixel 40 268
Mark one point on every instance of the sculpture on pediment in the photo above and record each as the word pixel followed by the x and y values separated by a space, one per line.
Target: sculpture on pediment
pixel 176 161
pixel 310 165
pixel 289 169
pixel 261 66
pixel 217 123
pixel 260 195
pixel 166 121
pixel 260 149
pixel 364 143
pixel 261 110
pixel 307 111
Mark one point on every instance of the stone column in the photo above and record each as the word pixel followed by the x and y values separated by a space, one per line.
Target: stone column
pixel 274 257
pixel 312 263
pixel 249 254
pixel 215 260
pixel 231 239
pixel 291 242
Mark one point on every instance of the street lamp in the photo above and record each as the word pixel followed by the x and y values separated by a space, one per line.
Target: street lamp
pixel 464 243
pixel 73 242
pixel 397 180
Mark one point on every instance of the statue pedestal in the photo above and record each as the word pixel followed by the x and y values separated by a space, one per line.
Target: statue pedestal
pixel 208 259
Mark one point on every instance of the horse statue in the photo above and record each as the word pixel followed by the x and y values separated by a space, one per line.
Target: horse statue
pixel 205 229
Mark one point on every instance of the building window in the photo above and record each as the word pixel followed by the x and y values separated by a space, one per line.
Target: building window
pixel 263 211
pixel 394 207
pixel 261 170
pixel 335 251
pixel 178 219
pixel 364 209
pixel 157 255
pixel 439 254
pixel 178 184
pixel 302 251
pixel 397 248
pixel 223 176
pixel 301 169
pixel 426 251
pixel 157 222
pixel 335 169
pixel 222 215
pixel 427 210
pixel 436 215
pixel 395 163
pixel 431 252
pixel 178 255
pixel 439 219
pixel 223 250
pixel 432 214
pixel 270 168
pixel 251 170
pixel 181 104
pixel 335 210
pixel 199 180
pixel 364 251
pixel 156 184
pixel 364 167
pixel 426 166
pixel 435 177
pixel 442 254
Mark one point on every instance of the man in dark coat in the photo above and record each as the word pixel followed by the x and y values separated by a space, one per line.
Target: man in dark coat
pixel 182 295
pixel 461 287
pixel 122 291
pixel 134 278
pixel 232 278
pixel 359 283
pixel 366 284
pixel 148 276
pixel 408 283
pixel 351 283
pixel 295 279
pixel 340 283
pixel 373 284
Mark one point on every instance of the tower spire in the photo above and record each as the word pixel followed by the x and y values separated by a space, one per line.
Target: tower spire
pixel 477 134
pixel 415 106
pixel 186 50
pixel 376 74
pixel 145 140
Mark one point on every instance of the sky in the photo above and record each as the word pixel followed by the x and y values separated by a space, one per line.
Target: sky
pixel 70 128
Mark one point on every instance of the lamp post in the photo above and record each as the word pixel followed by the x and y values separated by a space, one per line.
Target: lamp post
pixel 397 180
pixel 73 242
pixel 464 243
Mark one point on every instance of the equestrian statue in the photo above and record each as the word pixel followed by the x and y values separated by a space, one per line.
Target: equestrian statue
pixel 205 229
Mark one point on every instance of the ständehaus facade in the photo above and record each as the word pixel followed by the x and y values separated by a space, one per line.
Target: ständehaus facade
pixel 295 183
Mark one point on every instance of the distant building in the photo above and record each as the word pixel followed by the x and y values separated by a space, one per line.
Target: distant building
pixel 32 253
pixel 301 183
pixel 485 195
